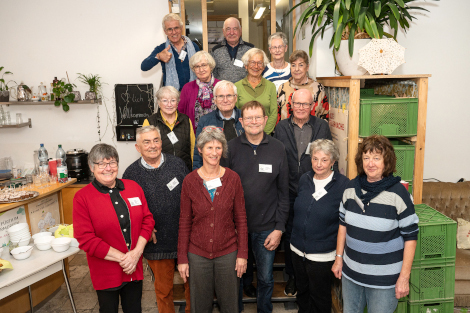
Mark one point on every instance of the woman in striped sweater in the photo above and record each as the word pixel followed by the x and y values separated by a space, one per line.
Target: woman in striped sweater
pixel 377 233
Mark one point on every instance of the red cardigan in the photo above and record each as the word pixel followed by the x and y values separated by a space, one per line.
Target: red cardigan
pixel 212 229
pixel 96 227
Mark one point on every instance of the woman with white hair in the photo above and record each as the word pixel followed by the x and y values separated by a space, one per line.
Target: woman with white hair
pixel 315 228
pixel 254 87
pixel 197 97
pixel 174 54
pixel 278 71
pixel 175 127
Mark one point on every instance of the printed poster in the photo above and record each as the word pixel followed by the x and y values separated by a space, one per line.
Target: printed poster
pixel 339 132
pixel 7 220
pixel 44 213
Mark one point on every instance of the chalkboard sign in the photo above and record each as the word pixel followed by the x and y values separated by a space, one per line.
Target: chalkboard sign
pixel 134 103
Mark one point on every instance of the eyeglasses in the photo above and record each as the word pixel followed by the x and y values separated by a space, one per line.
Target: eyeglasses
pixel 209 129
pixel 300 104
pixel 174 29
pixel 147 143
pixel 235 29
pixel 254 63
pixel 228 97
pixel 166 101
pixel 255 118
pixel 103 165
pixel 200 67
pixel 277 48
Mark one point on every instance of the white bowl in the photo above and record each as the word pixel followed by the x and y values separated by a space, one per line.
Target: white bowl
pixel 43 246
pixel 20 254
pixel 22 242
pixel 42 234
pixel 61 244
pixel 17 228
pixel 44 239
pixel 19 237
pixel 74 243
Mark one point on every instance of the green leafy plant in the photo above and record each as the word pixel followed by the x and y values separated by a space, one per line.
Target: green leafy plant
pixel 93 81
pixel 3 85
pixel 363 18
pixel 463 310
pixel 63 95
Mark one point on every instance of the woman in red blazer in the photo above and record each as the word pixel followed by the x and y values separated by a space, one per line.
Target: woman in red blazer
pixel 213 234
pixel 112 224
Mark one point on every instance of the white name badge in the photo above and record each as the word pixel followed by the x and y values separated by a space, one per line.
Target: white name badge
pixel 182 55
pixel 307 151
pixel 238 63
pixel 265 168
pixel 134 201
pixel 214 183
pixel 172 184
pixel 172 138
pixel 318 194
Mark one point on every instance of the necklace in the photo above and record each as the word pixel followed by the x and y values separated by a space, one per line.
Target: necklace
pixel 213 177
pixel 281 70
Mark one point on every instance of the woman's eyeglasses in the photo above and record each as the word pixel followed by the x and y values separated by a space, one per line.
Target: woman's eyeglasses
pixel 200 67
pixel 166 101
pixel 103 165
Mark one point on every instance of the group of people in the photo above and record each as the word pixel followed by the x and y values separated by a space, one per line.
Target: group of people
pixel 240 158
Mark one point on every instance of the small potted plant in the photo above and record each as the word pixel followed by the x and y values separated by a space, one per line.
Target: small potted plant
pixel 63 94
pixel 4 93
pixel 94 82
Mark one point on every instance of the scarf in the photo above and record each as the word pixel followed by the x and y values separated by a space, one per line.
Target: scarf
pixel 373 189
pixel 170 67
pixel 205 94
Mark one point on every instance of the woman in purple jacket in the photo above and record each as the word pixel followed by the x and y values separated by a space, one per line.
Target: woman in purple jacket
pixel 197 97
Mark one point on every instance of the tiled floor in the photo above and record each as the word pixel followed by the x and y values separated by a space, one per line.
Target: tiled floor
pixel 86 300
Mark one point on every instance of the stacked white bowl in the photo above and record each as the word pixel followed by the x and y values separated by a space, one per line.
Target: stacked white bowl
pixel 61 244
pixel 19 234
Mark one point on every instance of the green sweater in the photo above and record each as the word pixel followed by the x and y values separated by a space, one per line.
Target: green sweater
pixel 265 93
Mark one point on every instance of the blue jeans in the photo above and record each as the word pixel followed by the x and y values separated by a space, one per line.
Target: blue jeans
pixel 264 271
pixel 355 298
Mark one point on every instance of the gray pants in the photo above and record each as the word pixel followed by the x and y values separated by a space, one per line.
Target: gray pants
pixel 207 276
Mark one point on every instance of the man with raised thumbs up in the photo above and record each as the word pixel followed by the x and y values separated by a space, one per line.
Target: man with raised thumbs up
pixel 174 54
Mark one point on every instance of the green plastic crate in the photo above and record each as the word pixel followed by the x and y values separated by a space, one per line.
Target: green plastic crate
pixel 402 307
pixel 446 306
pixel 388 116
pixel 432 282
pixel 436 238
pixel 405 154
pixel 367 92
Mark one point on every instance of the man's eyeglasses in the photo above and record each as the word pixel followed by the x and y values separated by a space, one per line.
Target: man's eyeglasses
pixel 228 97
pixel 173 29
pixel 255 118
pixel 103 165
pixel 300 104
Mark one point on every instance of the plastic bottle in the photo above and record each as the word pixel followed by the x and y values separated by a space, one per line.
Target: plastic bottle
pixel 60 154
pixel 62 173
pixel 43 156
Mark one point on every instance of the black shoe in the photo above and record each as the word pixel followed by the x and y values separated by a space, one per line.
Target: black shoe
pixel 290 287
pixel 250 291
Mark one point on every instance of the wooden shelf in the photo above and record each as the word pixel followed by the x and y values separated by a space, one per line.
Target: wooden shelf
pixel 48 102
pixel 28 123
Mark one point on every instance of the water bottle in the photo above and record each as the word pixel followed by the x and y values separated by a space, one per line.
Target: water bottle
pixel 62 173
pixel 43 157
pixel 60 154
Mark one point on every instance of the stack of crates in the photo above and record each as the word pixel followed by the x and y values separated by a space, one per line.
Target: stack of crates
pixel 393 118
pixel 432 281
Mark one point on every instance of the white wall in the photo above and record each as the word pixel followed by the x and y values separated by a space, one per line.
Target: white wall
pixel 44 38
pixel 435 44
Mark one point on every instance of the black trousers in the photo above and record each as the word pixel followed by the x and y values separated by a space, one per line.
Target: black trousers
pixel 131 298
pixel 313 281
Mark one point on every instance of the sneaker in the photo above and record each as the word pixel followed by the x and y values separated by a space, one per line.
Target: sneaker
pixel 250 291
pixel 290 290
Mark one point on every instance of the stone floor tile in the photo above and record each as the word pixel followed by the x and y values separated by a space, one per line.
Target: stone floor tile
pixel 148 284
pixel 85 285
pixel 148 299
pixel 79 259
pixel 83 301
pixel 81 252
pixel 79 271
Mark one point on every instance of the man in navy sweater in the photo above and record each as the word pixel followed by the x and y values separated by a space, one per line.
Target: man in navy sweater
pixel 261 163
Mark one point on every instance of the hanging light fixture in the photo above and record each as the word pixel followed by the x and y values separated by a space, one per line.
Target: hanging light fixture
pixel 258 12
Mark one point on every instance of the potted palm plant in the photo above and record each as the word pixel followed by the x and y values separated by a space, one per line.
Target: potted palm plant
pixel 94 82
pixel 355 19
pixel 4 93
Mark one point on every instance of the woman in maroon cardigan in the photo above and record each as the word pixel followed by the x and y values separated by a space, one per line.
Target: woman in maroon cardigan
pixel 197 97
pixel 112 224
pixel 213 234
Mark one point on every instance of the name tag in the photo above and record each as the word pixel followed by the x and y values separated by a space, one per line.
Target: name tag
pixel 182 55
pixel 134 201
pixel 172 138
pixel 238 63
pixel 307 151
pixel 172 184
pixel 318 194
pixel 265 168
pixel 214 183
